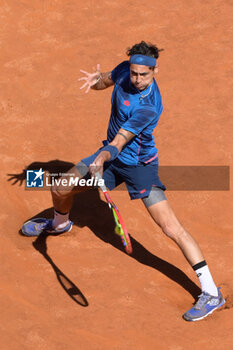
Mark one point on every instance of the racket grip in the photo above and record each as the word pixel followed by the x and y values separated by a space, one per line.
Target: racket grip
pixel 98 176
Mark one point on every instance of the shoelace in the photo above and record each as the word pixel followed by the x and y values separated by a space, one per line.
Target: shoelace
pixel 203 299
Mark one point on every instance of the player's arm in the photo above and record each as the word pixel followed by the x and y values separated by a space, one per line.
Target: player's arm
pixel 121 139
pixel 141 118
pixel 104 80
pixel 111 151
pixel 96 80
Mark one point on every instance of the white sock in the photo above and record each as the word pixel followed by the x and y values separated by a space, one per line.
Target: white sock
pixel 207 284
pixel 60 220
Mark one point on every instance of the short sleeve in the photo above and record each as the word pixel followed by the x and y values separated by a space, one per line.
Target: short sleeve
pixel 120 71
pixel 139 120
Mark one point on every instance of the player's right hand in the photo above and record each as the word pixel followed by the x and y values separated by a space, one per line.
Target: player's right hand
pixel 90 78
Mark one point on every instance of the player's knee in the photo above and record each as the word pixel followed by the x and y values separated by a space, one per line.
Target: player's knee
pixel 60 192
pixel 173 230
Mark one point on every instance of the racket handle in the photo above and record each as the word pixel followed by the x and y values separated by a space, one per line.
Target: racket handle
pixel 98 176
pixel 104 190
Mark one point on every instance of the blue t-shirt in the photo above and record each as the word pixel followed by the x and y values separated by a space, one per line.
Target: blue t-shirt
pixel 136 112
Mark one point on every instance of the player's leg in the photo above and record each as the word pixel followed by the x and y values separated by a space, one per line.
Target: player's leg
pixel 164 216
pixel 162 213
pixel 63 196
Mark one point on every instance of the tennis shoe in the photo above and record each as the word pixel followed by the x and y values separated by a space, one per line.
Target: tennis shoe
pixel 37 226
pixel 205 305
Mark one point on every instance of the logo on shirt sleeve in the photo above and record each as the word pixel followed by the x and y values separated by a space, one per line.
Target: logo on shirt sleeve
pixel 126 103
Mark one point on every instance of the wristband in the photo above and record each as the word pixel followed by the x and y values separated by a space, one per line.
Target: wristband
pixel 112 150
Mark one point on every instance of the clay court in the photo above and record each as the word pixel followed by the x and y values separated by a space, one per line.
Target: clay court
pixel 80 290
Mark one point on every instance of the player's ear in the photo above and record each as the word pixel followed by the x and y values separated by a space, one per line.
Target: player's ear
pixel 156 70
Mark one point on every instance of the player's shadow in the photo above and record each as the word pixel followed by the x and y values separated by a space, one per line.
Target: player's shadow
pixel 89 210
pixel 55 166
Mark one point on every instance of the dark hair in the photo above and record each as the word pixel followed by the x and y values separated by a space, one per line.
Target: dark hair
pixel 144 48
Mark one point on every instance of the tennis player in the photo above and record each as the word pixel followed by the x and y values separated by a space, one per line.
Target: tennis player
pixel 129 155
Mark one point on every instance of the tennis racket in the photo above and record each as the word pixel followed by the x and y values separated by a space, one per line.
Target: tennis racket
pixel 120 228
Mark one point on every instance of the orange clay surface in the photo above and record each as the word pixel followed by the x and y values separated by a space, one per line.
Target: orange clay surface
pixel 80 291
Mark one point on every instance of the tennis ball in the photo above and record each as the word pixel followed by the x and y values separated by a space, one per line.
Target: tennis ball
pixel 118 230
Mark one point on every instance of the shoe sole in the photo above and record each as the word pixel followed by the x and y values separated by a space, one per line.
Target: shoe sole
pixel 210 312
pixel 54 231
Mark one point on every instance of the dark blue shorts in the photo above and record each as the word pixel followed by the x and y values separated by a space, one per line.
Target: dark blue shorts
pixel 139 179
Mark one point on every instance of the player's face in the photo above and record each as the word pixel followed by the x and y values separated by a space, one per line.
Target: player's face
pixel 141 76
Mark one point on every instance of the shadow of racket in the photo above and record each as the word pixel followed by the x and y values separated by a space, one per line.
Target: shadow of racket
pixel 69 287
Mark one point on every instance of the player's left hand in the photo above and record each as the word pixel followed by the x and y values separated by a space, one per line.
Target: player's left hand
pixel 90 78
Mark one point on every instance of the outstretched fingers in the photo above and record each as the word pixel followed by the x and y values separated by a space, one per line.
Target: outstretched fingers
pixel 84 85
pixel 88 88
pixel 90 79
pixel 98 68
pixel 84 72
